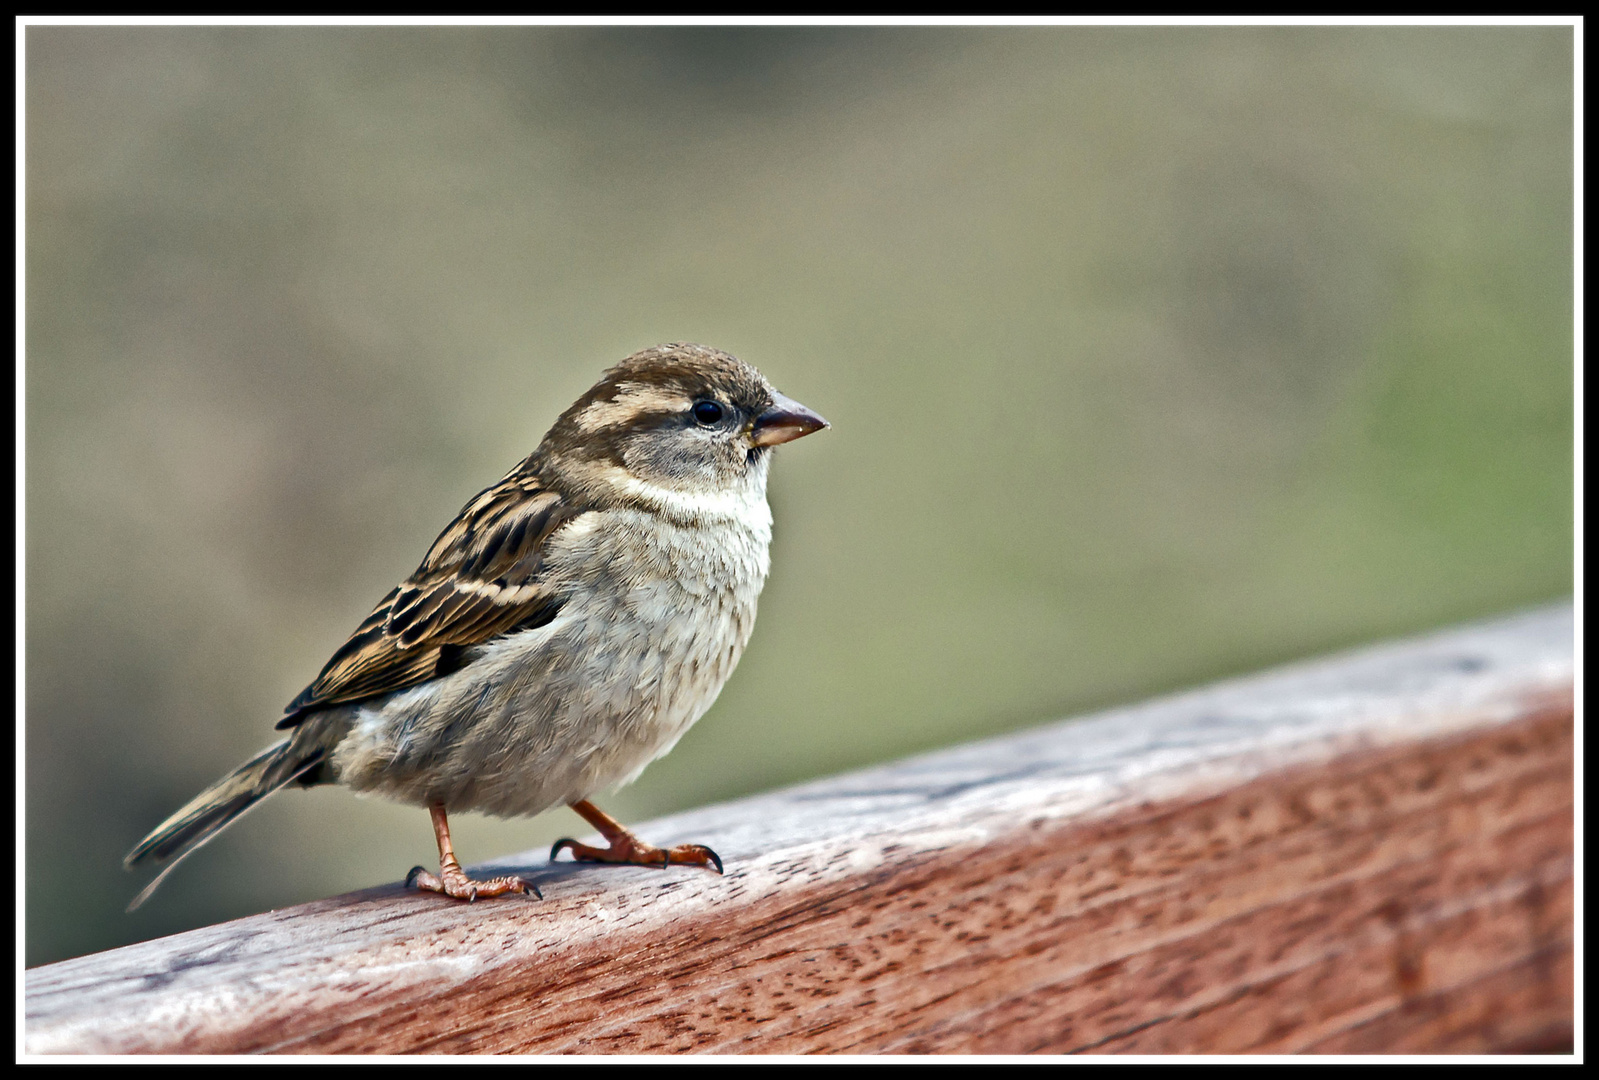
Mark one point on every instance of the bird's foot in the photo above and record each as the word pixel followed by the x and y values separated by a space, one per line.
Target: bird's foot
pixel 629 849
pixel 624 847
pixel 453 882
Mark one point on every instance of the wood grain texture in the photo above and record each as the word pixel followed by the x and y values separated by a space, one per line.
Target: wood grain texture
pixel 1370 853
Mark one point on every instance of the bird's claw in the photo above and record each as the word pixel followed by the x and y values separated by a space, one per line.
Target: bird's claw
pixel 456 885
pixel 709 854
pixel 630 852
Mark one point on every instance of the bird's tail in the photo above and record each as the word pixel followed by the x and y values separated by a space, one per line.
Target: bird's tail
pixel 221 804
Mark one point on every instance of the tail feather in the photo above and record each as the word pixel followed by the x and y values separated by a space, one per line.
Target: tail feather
pixel 220 805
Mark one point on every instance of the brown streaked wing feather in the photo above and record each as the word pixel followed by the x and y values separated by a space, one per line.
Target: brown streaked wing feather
pixel 481 578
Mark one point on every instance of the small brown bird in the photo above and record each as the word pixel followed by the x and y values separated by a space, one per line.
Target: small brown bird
pixel 563 631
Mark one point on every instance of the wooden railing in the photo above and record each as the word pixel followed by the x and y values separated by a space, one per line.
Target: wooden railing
pixel 1370 853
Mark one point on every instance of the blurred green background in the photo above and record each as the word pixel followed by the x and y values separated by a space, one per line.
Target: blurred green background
pixel 1152 356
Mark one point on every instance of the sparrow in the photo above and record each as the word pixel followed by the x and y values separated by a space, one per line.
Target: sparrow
pixel 564 631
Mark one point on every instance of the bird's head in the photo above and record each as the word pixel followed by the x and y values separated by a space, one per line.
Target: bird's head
pixel 684 418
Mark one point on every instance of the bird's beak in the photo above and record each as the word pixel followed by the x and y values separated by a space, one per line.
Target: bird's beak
pixel 785 421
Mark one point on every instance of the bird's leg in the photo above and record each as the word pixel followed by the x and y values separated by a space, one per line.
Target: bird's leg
pixel 624 847
pixel 451 880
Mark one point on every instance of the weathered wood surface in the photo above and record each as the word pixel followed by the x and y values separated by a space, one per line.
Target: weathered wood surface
pixel 1364 854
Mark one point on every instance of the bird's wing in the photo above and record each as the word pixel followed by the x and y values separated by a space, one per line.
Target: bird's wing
pixel 484 576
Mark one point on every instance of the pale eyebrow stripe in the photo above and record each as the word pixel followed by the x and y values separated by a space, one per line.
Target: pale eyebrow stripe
pixel 631 400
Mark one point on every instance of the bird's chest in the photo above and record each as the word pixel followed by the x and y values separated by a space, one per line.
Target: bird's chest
pixel 661 612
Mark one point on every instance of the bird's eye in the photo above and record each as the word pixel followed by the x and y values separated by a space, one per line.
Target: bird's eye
pixel 707 412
